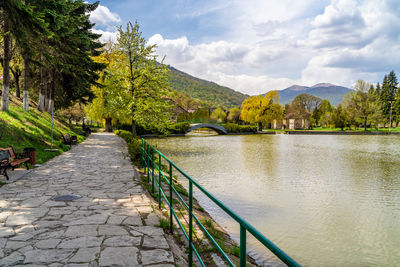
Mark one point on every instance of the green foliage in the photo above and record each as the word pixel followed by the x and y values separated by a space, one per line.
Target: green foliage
pixel 362 105
pixel 261 110
pixel 134 146
pixel 134 85
pixel 179 128
pixel 218 115
pixel 21 129
pixel 339 117
pixel 211 93
pixel 164 224
pixel 304 105
pixel 235 128
pixel 233 115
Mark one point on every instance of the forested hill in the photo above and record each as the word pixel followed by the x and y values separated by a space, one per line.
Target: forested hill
pixel 212 93
pixel 328 91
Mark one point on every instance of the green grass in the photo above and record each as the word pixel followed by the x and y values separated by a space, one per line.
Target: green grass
pixel 164 224
pixel 21 129
pixel 2 183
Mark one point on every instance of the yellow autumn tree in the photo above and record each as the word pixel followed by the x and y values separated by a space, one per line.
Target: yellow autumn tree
pixel 261 109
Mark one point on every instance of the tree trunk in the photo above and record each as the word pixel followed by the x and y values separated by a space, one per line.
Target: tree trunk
pixel 6 65
pixel 108 125
pixel 42 92
pixel 365 124
pixel 17 75
pixel 134 128
pixel 259 127
pixel 26 84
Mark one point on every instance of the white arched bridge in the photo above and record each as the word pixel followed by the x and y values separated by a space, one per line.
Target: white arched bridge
pixel 218 128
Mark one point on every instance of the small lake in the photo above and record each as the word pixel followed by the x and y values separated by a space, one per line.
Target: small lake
pixel 325 200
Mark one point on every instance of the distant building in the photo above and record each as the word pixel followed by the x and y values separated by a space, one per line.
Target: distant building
pixel 292 122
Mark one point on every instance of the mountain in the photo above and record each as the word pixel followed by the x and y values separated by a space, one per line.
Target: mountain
pixel 333 93
pixel 215 95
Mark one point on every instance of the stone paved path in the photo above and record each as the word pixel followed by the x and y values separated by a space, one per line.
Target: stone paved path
pixel 111 224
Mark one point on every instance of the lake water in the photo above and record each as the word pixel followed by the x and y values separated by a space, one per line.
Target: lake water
pixel 324 200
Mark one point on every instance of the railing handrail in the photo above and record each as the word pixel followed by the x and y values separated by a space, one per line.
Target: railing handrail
pixel 244 225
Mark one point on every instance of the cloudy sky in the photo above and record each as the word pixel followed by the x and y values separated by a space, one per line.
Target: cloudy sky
pixel 254 46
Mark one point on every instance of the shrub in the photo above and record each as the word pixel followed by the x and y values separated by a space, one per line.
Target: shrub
pixel 134 145
pixel 179 128
pixel 235 128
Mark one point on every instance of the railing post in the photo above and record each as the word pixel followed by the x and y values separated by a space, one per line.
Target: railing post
pixel 243 253
pixel 143 160
pixel 170 198
pixel 159 181
pixel 152 171
pixel 190 223
pixel 148 162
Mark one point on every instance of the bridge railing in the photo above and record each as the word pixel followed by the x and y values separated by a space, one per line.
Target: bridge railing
pixel 153 162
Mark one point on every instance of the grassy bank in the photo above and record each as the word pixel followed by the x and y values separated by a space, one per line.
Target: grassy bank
pixel 22 129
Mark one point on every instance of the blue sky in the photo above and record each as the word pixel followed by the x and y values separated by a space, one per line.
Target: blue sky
pixel 255 46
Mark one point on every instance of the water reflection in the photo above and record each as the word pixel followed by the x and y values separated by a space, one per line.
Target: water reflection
pixel 325 200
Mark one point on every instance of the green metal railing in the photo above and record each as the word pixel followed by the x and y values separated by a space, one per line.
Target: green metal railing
pixel 152 161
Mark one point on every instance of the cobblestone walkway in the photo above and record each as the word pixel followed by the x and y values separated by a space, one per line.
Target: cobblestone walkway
pixel 110 224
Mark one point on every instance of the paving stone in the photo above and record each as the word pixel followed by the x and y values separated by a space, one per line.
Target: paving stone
pixel 133 220
pixel 149 230
pixel 50 234
pixel 25 249
pixel 6 232
pixel 14 245
pixel 122 241
pixel 47 255
pixel 104 227
pixel 82 242
pixel 3 242
pixel 115 219
pixel 34 202
pixel 112 230
pixel 93 219
pixel 85 255
pixel 152 220
pixel 4 215
pixel 156 256
pixel 155 242
pixel 13 258
pixel 48 243
pixel 81 230
pixel 119 256
pixel 22 237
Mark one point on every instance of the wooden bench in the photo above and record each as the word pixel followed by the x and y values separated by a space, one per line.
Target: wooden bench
pixel 10 160
pixel 69 140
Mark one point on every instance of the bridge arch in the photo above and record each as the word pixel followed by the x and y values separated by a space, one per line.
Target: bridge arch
pixel 218 128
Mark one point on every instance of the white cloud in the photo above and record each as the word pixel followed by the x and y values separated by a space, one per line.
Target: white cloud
pixel 106 36
pixel 266 45
pixel 102 16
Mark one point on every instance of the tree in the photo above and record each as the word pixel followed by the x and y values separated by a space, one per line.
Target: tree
pixel 326 113
pixel 146 79
pixel 233 115
pixel 218 115
pixel 388 94
pixel 339 117
pixel 304 105
pixel 362 103
pixel 19 22
pixel 261 110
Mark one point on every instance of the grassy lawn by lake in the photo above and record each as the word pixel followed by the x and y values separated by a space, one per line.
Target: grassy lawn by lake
pixel 21 129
